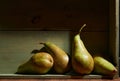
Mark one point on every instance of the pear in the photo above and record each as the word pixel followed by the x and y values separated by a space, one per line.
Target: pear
pixel 39 63
pixel 82 61
pixel 43 49
pixel 60 57
pixel 103 66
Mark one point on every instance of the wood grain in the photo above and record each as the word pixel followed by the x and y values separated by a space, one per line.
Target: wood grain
pixel 54 15
pixel 118 79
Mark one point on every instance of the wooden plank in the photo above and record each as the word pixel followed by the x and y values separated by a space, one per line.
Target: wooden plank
pixel 55 76
pixel 59 79
pixel 54 15
pixel 114 31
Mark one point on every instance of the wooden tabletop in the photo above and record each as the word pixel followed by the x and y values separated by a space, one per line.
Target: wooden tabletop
pixel 117 79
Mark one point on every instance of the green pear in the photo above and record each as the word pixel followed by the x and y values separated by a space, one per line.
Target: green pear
pixel 82 61
pixel 60 57
pixel 39 63
pixel 103 66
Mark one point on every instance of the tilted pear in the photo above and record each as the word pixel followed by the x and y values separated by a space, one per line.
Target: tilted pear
pixel 61 58
pixel 103 66
pixel 39 63
pixel 82 61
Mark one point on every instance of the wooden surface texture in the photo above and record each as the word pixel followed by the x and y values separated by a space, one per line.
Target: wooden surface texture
pixel 118 79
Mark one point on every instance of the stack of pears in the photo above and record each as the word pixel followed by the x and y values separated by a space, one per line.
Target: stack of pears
pixel 53 57
pixel 50 56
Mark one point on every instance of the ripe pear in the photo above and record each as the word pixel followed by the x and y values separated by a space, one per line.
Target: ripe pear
pixel 103 66
pixel 82 61
pixel 39 63
pixel 60 57
pixel 43 49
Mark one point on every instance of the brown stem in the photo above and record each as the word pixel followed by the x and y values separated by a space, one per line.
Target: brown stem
pixel 82 28
pixel 41 43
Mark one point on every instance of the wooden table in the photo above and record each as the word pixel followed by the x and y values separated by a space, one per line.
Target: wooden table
pixel 18 77
pixel 118 79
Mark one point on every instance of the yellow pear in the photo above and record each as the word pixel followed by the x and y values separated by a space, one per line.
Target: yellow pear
pixel 61 58
pixel 39 63
pixel 103 66
pixel 82 61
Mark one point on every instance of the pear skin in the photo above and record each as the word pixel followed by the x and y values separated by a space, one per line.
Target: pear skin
pixel 61 58
pixel 103 66
pixel 82 61
pixel 39 63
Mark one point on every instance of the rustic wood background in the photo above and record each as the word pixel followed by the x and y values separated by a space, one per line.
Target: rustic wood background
pixel 70 15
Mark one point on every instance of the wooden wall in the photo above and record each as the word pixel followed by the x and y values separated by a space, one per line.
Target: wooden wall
pixel 54 15
pixel 58 15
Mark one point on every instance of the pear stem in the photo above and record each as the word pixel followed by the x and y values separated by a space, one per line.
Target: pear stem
pixel 41 43
pixel 82 28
